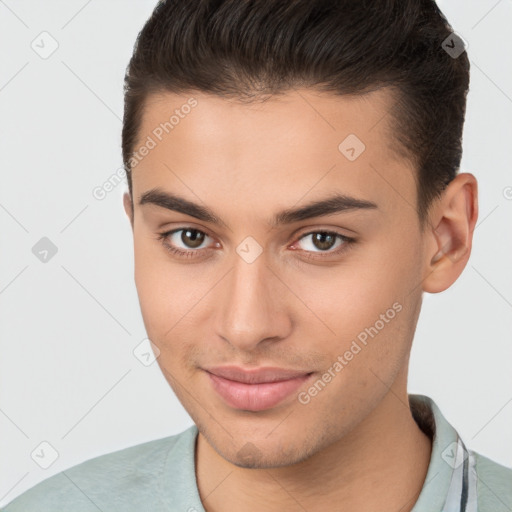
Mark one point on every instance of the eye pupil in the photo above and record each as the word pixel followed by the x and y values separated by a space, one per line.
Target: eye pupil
pixel 323 240
pixel 192 237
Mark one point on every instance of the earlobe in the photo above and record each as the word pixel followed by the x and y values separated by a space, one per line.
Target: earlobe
pixel 450 233
pixel 128 208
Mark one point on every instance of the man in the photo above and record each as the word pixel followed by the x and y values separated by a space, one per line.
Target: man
pixel 293 191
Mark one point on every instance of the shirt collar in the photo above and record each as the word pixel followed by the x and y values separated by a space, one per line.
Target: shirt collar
pixel 450 484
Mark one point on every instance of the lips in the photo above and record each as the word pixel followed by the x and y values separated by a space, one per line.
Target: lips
pixel 255 389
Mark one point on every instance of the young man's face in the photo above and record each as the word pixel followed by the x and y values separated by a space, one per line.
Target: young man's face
pixel 253 293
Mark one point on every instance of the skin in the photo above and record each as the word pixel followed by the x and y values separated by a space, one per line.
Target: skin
pixel 356 441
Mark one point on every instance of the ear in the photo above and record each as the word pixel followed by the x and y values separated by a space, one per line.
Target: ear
pixel 450 233
pixel 128 207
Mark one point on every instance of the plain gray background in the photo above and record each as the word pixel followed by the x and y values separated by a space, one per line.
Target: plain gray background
pixel 69 325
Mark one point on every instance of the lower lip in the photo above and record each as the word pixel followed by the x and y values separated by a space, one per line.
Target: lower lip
pixel 255 397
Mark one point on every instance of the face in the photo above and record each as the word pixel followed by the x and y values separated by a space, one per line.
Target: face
pixel 255 277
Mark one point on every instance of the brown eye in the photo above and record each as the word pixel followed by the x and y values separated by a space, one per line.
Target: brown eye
pixel 192 238
pixel 186 241
pixel 324 241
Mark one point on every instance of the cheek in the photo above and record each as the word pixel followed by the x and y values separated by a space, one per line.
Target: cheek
pixel 370 306
pixel 157 287
pixel 168 292
pixel 352 295
pixel 367 324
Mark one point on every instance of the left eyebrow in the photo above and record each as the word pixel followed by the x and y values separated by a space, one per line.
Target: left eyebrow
pixel 336 203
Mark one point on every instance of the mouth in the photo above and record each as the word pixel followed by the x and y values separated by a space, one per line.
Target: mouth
pixel 255 389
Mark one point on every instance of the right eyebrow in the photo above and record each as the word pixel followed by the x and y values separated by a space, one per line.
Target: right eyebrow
pixel 179 204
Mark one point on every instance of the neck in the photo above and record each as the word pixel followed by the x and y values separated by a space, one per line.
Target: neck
pixel 380 465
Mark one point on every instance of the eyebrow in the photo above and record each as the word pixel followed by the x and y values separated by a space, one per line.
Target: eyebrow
pixel 331 205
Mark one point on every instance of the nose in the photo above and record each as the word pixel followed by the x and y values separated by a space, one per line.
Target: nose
pixel 253 306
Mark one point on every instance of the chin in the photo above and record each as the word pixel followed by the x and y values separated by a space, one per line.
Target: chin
pixel 266 453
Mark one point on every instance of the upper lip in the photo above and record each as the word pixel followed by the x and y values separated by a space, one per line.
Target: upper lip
pixel 256 375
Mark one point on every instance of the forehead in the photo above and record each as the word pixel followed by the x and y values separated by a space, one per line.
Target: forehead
pixel 297 143
pixel 295 116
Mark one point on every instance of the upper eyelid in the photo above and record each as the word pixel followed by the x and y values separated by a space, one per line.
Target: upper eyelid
pixel 310 232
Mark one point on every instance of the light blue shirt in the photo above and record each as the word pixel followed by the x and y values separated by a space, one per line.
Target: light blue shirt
pixel 159 476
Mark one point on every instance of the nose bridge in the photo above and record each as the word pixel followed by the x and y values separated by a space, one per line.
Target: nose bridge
pixel 249 311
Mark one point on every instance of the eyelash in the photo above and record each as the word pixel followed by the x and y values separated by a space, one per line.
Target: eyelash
pixel 347 242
